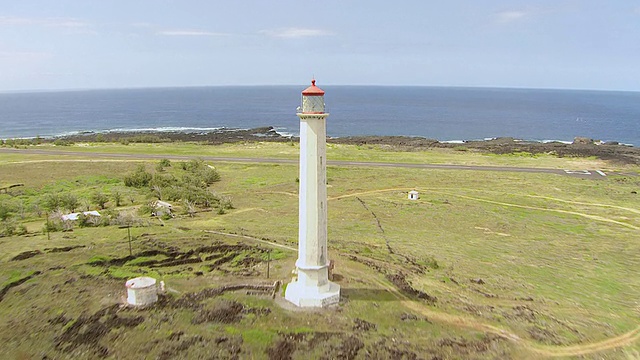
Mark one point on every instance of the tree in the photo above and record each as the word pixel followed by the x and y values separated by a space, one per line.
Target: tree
pixel 5 210
pixel 139 178
pixel 69 202
pixel 157 191
pixel 209 175
pixel 99 199
pixel 52 202
pixel 117 197
pixel 163 164
pixel 37 208
pixel 190 207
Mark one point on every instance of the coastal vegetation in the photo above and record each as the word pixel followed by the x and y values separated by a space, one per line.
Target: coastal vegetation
pixel 484 265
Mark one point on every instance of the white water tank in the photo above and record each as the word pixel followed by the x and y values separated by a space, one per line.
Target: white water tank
pixel 142 291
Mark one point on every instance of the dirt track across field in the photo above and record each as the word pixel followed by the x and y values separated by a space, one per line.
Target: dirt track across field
pixel 588 174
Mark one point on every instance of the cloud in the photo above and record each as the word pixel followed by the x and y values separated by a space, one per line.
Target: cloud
pixel 292 33
pixel 47 22
pixel 142 24
pixel 24 56
pixel 510 15
pixel 189 33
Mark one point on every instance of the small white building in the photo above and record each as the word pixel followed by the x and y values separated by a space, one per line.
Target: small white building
pixel 161 208
pixel 414 195
pixel 74 216
pixel 142 291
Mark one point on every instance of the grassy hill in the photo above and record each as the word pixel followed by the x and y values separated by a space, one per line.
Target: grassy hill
pixel 484 265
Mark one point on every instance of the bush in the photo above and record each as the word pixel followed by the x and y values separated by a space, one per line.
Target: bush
pixel 99 199
pixel 145 209
pixel 69 201
pixel 7 228
pixel 21 230
pixel 52 226
pixel 5 210
pixel 52 202
pixel 139 178
pixel 117 197
pixel 62 142
pixel 209 175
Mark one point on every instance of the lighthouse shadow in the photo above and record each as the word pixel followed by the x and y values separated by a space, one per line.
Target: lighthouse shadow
pixel 366 294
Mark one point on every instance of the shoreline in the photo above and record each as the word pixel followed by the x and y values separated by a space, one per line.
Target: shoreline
pixel 580 147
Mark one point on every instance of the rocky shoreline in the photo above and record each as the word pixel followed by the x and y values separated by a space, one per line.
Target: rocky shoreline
pixel 581 147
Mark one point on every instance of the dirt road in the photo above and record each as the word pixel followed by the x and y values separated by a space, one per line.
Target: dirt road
pixel 582 173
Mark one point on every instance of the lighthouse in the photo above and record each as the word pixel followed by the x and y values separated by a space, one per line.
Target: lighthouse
pixel 312 287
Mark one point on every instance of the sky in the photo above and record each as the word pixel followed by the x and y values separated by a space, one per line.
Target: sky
pixel 87 44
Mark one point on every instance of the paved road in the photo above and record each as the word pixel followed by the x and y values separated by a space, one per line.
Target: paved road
pixel 590 174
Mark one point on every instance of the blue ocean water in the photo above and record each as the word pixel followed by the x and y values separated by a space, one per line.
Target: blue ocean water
pixel 442 113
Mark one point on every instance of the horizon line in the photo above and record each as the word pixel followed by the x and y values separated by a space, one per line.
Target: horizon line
pixel 26 91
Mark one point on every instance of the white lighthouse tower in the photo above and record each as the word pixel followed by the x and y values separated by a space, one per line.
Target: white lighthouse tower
pixel 312 287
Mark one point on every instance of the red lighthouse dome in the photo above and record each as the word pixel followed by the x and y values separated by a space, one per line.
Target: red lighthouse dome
pixel 313 90
pixel 312 100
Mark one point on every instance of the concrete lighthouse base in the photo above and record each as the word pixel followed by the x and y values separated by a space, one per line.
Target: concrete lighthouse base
pixel 312 289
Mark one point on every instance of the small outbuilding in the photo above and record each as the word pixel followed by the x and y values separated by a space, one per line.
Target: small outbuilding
pixel 414 195
pixel 161 208
pixel 142 291
pixel 74 216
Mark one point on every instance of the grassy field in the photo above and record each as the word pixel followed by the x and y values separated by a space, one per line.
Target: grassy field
pixel 376 153
pixel 484 265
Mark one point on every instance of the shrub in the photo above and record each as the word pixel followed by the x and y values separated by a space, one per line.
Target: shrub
pixel 139 178
pixel 209 175
pixel 52 202
pixel 21 230
pixel 52 225
pixel 100 199
pixel 62 142
pixel 145 209
pixel 69 201
pixel 7 228
pixel 117 197
pixel 5 210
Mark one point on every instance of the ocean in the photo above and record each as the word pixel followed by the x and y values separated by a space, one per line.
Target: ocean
pixel 442 113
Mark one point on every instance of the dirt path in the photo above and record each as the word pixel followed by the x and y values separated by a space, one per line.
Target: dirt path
pixel 585 349
pixel 367 193
pixel 474 324
pixel 252 239
pixel 471 323
pixel 585 203
pixel 588 216
pixel 588 174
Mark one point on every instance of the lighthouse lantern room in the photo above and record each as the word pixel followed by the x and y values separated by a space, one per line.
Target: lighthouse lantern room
pixel 313 99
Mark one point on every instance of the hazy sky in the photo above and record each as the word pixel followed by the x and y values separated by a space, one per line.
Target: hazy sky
pixel 68 44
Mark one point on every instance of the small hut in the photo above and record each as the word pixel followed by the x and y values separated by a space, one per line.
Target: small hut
pixel 414 195
pixel 75 216
pixel 141 291
pixel 161 208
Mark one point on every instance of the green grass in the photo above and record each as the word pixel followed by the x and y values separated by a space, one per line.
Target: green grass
pixel 377 153
pixel 568 244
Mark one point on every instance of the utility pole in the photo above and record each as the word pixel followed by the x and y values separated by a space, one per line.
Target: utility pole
pixel 129 235
pixel 268 262
pixel 48 236
pixel 128 226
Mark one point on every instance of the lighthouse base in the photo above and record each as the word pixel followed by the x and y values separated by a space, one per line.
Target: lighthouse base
pixel 308 296
pixel 312 288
